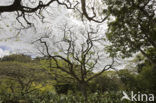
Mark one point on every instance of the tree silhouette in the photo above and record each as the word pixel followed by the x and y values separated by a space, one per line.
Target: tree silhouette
pixel 17 6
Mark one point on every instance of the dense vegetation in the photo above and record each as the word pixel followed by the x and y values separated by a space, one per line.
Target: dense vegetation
pixel 27 80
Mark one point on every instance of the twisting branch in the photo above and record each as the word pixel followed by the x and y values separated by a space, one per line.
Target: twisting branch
pixel 17 6
pixel 90 18
pixel 45 45
pixel 56 59
pixel 107 67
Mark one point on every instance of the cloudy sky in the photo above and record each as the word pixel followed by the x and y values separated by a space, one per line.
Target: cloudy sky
pixel 19 41
pixel 13 39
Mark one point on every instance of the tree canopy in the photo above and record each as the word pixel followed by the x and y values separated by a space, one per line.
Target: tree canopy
pixel 133 28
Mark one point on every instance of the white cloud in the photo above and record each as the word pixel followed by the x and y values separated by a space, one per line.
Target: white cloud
pixel 3 52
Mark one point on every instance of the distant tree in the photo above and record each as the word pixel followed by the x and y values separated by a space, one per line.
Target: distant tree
pixel 128 78
pixel 139 75
pixel 133 28
pixel 17 58
pixel 106 82
pixel 146 79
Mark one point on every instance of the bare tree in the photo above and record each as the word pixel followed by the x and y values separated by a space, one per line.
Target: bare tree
pixel 79 57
